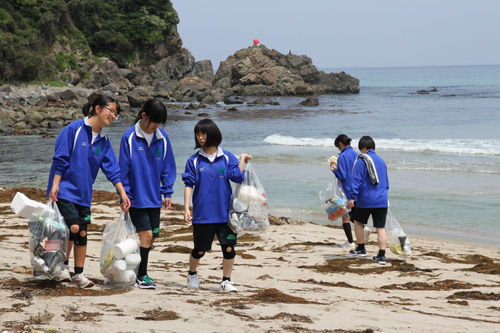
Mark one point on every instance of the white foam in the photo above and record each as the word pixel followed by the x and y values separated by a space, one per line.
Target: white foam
pixel 282 140
pixel 443 146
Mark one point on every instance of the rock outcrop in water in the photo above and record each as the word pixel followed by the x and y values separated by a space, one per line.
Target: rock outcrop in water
pixel 259 71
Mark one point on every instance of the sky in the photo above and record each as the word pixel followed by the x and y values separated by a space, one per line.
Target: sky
pixel 348 33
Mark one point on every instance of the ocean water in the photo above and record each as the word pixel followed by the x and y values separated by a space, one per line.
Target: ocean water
pixel 441 147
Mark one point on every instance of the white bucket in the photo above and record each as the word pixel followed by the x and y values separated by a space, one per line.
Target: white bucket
pixel 117 268
pixel 127 276
pixel 240 205
pixel 250 194
pixel 133 259
pixel 125 247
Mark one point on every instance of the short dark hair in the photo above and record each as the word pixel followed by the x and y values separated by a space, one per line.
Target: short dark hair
pixel 343 139
pixel 366 142
pixel 101 100
pixel 155 110
pixel 214 136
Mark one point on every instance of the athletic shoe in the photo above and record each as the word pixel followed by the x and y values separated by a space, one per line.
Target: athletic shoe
pixel 358 252
pixel 380 259
pixel 228 286
pixel 348 245
pixel 145 282
pixel 82 281
pixel 193 281
pixel 367 232
pixel 63 275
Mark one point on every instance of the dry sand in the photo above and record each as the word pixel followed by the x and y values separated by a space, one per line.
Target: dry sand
pixel 293 278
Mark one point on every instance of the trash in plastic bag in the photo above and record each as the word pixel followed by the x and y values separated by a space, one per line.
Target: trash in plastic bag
pixel 120 256
pixel 333 200
pixel 396 237
pixel 248 213
pixel 48 242
pixel 28 208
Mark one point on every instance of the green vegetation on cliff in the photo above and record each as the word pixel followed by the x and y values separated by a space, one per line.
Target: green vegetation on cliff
pixel 52 39
pixel 119 29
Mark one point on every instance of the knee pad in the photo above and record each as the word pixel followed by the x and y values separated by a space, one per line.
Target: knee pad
pixel 79 239
pixel 71 223
pixel 228 251
pixel 196 253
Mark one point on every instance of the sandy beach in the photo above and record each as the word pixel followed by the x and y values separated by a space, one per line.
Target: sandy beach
pixel 293 278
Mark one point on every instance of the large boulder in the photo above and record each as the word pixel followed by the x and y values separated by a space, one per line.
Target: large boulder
pixel 106 74
pixel 171 68
pixel 258 70
pixel 138 97
pixel 204 70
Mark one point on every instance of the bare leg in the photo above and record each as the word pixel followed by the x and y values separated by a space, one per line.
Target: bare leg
pixel 227 267
pixel 358 230
pixel 193 263
pixel 146 238
pixel 80 252
pixel 382 238
pixel 70 247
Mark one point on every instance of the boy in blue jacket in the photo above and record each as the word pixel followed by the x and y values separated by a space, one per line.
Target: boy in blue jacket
pixel 148 172
pixel 81 149
pixel 209 171
pixel 370 186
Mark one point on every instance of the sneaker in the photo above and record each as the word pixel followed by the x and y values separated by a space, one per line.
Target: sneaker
pixel 193 281
pixel 380 259
pixel 358 252
pixel 367 233
pixel 228 286
pixel 348 245
pixel 145 282
pixel 82 281
pixel 63 275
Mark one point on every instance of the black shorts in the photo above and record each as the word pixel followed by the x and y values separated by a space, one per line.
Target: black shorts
pixel 378 216
pixel 351 213
pixel 145 219
pixel 204 235
pixel 72 211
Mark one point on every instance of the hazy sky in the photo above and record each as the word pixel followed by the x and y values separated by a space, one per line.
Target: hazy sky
pixel 348 33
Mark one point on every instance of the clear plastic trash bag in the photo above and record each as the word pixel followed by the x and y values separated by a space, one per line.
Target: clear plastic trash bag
pixel 248 212
pixel 48 242
pixel 333 200
pixel 396 237
pixel 120 256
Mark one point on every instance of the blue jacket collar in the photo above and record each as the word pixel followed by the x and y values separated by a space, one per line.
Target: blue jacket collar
pixel 346 148
pixel 102 132
pixel 220 152
pixel 140 133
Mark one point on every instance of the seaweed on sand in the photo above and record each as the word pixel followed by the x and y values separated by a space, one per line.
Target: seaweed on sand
pixel 159 314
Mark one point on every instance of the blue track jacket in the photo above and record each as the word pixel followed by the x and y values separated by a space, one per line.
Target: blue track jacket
pixel 212 190
pixel 144 168
pixel 364 192
pixel 78 162
pixel 345 163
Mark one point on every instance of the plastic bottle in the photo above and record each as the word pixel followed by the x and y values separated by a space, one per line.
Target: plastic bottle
pixel 39 265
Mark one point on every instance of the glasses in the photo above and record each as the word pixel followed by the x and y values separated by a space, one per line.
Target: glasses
pixel 111 112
